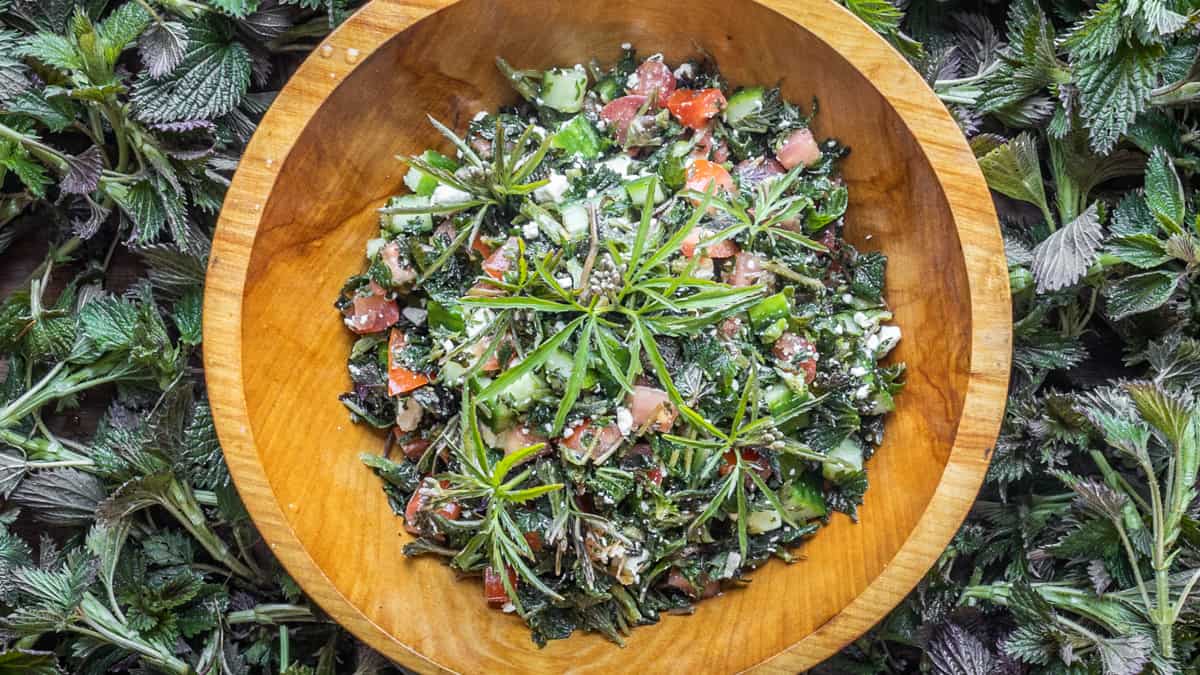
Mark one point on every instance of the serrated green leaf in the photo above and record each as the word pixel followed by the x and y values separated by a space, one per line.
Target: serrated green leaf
pixel 1113 90
pixel 1099 34
pixel 210 82
pixel 1014 169
pixel 53 50
pixel 1164 192
pixel 1142 250
pixel 1064 257
pixel 24 662
pixel 1140 293
pixel 121 27
pixel 56 113
pixel 238 8
pixel 186 314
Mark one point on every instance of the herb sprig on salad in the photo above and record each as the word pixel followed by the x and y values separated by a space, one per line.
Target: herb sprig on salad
pixel 621 350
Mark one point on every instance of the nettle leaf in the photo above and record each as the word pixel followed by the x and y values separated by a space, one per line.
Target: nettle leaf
pixel 83 172
pixel 955 651
pixel 1160 17
pixel 66 497
pixel 53 50
pixel 1113 90
pixel 1142 250
pixel 150 205
pixel 56 113
pixel 1140 293
pixel 1064 257
pixel 201 452
pixel 1164 192
pixel 211 80
pixel 121 27
pixel 162 47
pixel 1099 34
pixel 30 172
pixel 238 8
pixel 186 315
pixel 1014 170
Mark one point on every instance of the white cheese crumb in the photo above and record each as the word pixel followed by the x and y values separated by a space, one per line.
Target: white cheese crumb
pixel 858 371
pixel 888 337
pixel 619 164
pixel 565 281
pixel 862 320
pixel 530 230
pixel 685 71
pixel 445 194
pixel 415 315
pixel 554 190
pixel 624 421
pixel 847 298
pixel 862 392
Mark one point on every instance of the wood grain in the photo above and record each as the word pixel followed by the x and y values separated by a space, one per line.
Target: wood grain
pixel 302 204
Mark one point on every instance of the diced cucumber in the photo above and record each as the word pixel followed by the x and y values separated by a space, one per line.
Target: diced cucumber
pixel 772 332
pixel 758 522
pixel 524 391
pixel 769 310
pixel 608 89
pixel 638 190
pixel 577 137
pixel 802 498
pixel 882 403
pixel 560 364
pixel 373 246
pixel 850 453
pixel 744 103
pixel 780 398
pixel 402 223
pixel 422 183
pixel 452 373
pixel 575 220
pixel 564 88
pixel 441 316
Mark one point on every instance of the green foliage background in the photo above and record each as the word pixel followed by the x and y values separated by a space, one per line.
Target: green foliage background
pixel 126 549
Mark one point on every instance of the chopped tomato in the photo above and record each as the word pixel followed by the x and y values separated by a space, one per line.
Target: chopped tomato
pixel 534 539
pixel 799 148
pixel 795 350
pixel 401 274
pixel 493 586
pixel 731 327
pixel 620 113
pixel 654 78
pixel 655 475
pixel 651 405
pixel 599 441
pixel 481 246
pixel 418 502
pixel 401 380
pixel 695 107
pixel 518 438
pixel 501 260
pixel 707 148
pixel 750 456
pixel 676 580
pixel 747 270
pixel 703 173
pixel 718 249
pixel 415 448
pixel 372 313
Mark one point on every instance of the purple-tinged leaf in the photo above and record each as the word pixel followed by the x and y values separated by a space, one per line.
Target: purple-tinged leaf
pixel 163 46
pixel 83 172
pixel 954 651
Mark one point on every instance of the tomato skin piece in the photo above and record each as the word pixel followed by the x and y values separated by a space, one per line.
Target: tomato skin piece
pixel 481 247
pixel 703 173
pixel 654 78
pixel 449 510
pixel 415 448
pixel 500 260
pixel 493 586
pixel 747 270
pixel 620 113
pixel 600 439
pixel 655 475
pixel 650 405
pixel 401 380
pixel 534 539
pixel 789 346
pixel 372 313
pixel 799 148
pixel 749 455
pixel 725 248
pixel 695 107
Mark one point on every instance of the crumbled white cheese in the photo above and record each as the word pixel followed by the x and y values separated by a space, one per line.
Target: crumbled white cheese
pixel 862 320
pixel 626 46
pixel 445 194
pixel 847 298
pixel 858 371
pixel 624 421
pixel 553 190
pixel 888 337
pixel 631 82
pixel 530 230
pixel 415 315
pixel 619 164
pixel 479 320
pixel 565 281
pixel 685 71
pixel 862 392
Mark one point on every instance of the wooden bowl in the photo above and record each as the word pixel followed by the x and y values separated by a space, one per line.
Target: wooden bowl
pixel 303 203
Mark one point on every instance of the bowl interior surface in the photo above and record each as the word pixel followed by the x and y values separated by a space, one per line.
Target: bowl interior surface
pixel 321 210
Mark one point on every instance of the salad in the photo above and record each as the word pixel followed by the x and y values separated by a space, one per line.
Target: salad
pixel 622 354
